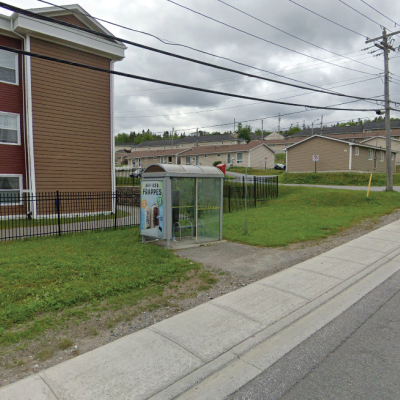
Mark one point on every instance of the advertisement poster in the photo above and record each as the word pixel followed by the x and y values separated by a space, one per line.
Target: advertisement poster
pixel 152 208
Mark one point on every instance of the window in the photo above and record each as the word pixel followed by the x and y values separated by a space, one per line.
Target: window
pixel 10 189
pixel 229 158
pixel 145 159
pixel 206 156
pixel 188 160
pixel 382 156
pixel 239 158
pixel 222 142
pixel 218 155
pixel 9 128
pixel 357 151
pixel 161 160
pixel 139 162
pixel 392 156
pixel 370 154
pixel 154 158
pixel 169 159
pixel 8 67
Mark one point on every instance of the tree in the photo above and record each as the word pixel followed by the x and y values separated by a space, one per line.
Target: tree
pixel 293 130
pixel 244 132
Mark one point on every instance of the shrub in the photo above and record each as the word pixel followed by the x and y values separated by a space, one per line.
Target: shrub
pixel 215 163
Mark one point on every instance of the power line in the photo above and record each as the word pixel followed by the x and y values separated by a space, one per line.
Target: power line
pixel 264 40
pixel 327 19
pixel 294 36
pixel 228 108
pixel 27 53
pixel 359 12
pixel 163 41
pixel 48 19
pixel 369 5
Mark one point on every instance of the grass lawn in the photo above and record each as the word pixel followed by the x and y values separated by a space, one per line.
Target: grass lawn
pixel 41 280
pixel 301 214
pixel 323 178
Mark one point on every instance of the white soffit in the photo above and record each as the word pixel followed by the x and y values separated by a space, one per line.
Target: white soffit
pixel 69 37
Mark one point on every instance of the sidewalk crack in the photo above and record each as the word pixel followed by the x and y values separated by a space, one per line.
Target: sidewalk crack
pixel 43 378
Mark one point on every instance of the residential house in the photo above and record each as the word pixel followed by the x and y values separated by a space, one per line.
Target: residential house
pixel 144 158
pixel 255 154
pixel 335 155
pixel 380 143
pixel 56 126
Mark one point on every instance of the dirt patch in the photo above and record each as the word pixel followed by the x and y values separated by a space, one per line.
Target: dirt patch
pixel 227 267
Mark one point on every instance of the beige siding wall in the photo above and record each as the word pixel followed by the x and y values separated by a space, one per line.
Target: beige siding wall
pixel 363 163
pixel 258 155
pixel 71 121
pixel 333 156
pixel 211 158
pixel 381 142
pixel 146 161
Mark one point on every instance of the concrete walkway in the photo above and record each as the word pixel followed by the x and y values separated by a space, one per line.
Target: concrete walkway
pixel 212 350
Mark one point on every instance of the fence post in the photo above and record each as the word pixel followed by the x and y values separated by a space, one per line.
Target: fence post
pixel 255 190
pixel 277 193
pixel 115 209
pixel 229 197
pixel 58 212
pixel 243 185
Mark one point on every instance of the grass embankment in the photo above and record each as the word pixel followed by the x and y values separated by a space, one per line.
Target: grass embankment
pixel 301 214
pixel 43 280
pixel 322 178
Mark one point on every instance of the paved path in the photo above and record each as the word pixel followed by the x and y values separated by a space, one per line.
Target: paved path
pixel 211 351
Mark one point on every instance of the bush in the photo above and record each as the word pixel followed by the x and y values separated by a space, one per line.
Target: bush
pixel 215 163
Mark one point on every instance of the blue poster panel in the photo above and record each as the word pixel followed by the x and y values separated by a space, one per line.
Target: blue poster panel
pixel 152 208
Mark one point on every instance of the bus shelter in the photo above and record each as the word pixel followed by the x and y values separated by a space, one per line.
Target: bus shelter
pixel 181 203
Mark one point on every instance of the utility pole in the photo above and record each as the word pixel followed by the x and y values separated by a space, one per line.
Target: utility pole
pixel 234 125
pixel 197 135
pixel 279 123
pixel 262 129
pixel 322 121
pixel 386 47
pixel 172 137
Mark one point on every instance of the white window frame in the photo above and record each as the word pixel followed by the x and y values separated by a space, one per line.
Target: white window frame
pixel 187 160
pixel 16 70
pixel 169 162
pixel 370 154
pixel 356 150
pixel 20 188
pixel 18 129
pixel 382 156
pixel 237 158
pixel 205 155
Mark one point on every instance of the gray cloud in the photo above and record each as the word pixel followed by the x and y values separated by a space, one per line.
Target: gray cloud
pixel 140 105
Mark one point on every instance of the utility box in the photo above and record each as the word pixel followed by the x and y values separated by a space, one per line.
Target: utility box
pixel 181 202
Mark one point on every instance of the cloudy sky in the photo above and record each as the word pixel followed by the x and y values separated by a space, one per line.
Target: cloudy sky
pixel 332 59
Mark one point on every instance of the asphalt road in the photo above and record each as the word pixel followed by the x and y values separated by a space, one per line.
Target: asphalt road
pixel 356 356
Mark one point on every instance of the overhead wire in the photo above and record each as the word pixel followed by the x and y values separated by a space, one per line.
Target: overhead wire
pixel 294 36
pixel 327 19
pixel 48 19
pixel 379 12
pixel 132 76
pixel 263 39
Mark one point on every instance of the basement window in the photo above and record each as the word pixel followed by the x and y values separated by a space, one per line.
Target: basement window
pixel 8 67
pixel 10 189
pixel 9 128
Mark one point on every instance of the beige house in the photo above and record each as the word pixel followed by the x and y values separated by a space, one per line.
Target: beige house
pixel 335 155
pixel 254 154
pixel 380 143
pixel 142 159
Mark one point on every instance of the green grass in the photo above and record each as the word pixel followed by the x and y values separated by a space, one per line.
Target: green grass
pixel 323 178
pixel 302 214
pixel 42 281
pixel 253 171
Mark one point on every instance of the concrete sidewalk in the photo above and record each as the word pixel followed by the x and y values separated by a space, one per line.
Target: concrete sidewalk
pixel 212 350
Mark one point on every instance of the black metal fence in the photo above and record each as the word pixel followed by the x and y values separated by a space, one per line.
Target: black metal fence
pixel 46 214
pixel 258 190
pixel 124 178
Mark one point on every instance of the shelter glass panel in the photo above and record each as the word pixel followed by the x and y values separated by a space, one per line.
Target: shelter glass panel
pixel 209 207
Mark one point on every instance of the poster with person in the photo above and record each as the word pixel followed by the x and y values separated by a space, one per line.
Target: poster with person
pixel 152 208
